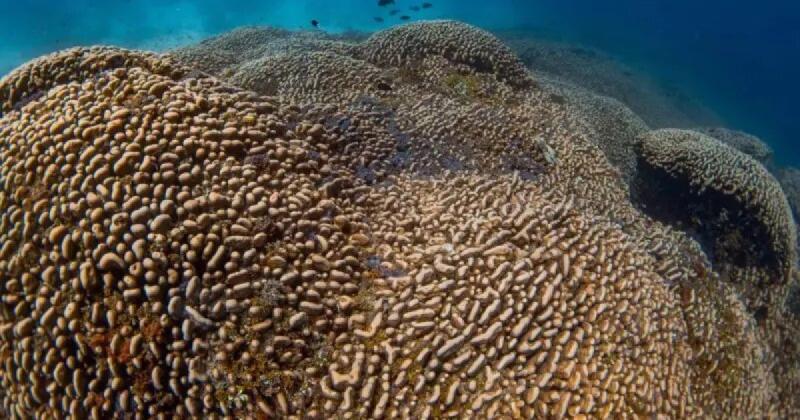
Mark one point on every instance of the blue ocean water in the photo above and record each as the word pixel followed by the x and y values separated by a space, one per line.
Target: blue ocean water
pixel 740 59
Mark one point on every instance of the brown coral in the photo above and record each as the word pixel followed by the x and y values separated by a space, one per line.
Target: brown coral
pixel 173 246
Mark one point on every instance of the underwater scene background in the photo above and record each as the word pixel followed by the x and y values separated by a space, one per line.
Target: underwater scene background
pixel 399 209
pixel 738 60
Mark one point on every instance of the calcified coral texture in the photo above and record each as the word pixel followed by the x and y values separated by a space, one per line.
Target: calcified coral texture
pixel 404 233
pixel 458 43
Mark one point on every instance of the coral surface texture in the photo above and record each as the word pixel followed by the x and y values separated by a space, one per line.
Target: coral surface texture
pixel 411 224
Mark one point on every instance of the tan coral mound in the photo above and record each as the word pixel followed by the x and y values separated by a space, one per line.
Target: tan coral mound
pixel 33 79
pixel 407 45
pixel 451 115
pixel 315 76
pixel 173 246
pixel 708 166
pixel 223 53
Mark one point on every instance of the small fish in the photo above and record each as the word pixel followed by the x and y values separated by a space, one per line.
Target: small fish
pixel 315 23
pixel 394 12
pixel 385 2
pixel 427 5
pixel 414 8
pixel 378 19
pixel 405 17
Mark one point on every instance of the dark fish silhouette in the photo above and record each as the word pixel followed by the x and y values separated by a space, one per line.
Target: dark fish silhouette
pixel 315 23
pixel 414 8
pixel 427 5
pixel 405 17
pixel 394 12
pixel 378 19
pixel 385 2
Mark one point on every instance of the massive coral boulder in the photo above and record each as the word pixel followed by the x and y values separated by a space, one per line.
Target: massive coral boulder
pixel 172 247
pixel 723 195
pixel 443 241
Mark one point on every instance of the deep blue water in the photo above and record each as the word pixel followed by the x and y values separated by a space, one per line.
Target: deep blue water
pixel 742 59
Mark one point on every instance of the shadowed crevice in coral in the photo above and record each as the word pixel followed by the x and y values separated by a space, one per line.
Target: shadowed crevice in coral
pixel 725 229
pixel 31 97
